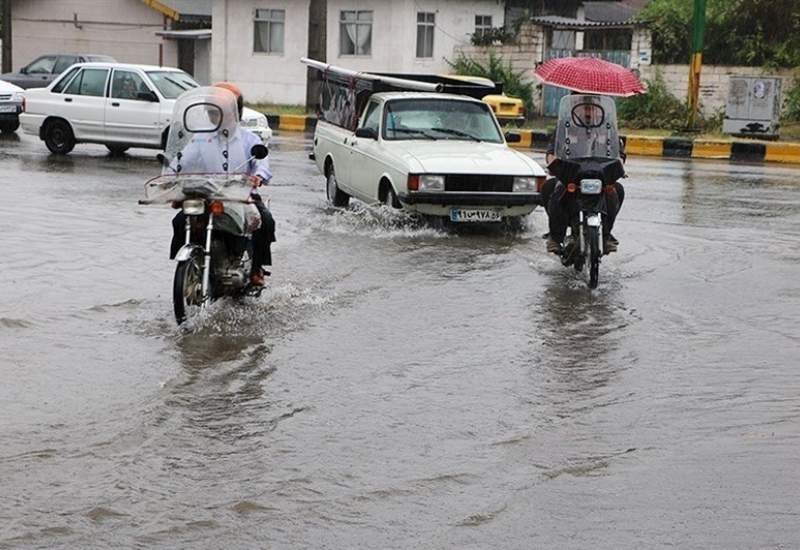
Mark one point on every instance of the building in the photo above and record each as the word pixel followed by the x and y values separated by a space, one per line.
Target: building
pixel 124 29
pixel 259 44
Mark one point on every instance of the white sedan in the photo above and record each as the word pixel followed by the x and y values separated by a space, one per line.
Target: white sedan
pixel 432 153
pixel 115 104
pixel 11 105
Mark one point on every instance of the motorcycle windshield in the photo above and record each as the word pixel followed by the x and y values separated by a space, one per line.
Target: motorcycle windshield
pixel 200 115
pixel 587 128
pixel 179 187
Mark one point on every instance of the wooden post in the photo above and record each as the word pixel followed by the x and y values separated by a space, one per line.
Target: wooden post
pixel 7 68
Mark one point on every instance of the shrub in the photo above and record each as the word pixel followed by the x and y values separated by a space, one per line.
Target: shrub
pixel 656 109
pixel 498 34
pixel 498 71
pixel 791 104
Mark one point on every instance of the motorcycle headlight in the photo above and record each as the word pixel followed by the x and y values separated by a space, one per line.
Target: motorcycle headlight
pixel 428 182
pixel 524 184
pixel 194 207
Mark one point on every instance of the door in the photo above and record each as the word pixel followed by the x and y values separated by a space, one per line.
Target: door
pixel 39 74
pixel 129 118
pixel 364 155
pixel 85 103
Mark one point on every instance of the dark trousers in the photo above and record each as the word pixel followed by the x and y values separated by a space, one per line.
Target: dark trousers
pixel 262 238
pixel 561 208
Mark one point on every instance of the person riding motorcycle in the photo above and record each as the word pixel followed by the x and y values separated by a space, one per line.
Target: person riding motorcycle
pixel 222 152
pixel 558 209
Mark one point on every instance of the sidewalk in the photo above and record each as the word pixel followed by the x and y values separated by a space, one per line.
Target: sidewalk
pixel 668 147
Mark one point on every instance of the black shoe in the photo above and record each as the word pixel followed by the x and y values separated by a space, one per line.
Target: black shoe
pixel 610 244
pixel 612 238
pixel 553 246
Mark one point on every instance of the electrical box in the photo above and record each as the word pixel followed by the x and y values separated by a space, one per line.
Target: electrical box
pixel 754 107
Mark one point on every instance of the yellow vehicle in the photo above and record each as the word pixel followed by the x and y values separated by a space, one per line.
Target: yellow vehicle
pixel 507 109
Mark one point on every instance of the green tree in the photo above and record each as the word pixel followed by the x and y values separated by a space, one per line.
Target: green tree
pixel 496 70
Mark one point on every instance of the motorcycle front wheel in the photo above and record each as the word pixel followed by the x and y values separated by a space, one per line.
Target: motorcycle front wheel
pixel 187 289
pixel 593 238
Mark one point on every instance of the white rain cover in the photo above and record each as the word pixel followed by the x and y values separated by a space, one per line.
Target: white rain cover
pixel 178 187
pixel 587 128
pixel 198 113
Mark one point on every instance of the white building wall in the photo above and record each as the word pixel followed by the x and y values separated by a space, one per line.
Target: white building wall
pixel 123 29
pixel 273 78
pixel 394 32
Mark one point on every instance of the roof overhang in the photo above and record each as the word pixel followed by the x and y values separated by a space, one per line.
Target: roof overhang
pixel 193 34
pixel 568 23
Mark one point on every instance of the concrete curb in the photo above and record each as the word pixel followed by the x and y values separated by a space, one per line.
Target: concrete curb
pixel 668 147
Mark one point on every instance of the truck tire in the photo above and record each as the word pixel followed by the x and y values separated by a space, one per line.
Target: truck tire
pixel 336 196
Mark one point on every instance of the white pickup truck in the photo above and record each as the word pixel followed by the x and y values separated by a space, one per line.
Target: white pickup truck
pixel 433 153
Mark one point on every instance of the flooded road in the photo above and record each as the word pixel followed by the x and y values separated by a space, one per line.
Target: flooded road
pixel 398 386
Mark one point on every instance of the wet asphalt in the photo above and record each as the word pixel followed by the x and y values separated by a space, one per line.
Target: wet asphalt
pixel 399 385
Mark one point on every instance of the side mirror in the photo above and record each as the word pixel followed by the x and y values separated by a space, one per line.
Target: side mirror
pixel 259 151
pixel 147 96
pixel 23 70
pixel 367 133
pixel 513 137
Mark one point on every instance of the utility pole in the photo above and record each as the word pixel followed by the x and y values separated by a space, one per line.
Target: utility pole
pixel 697 60
pixel 6 36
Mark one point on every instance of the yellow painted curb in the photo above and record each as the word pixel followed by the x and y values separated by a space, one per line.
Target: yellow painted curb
pixel 295 123
pixel 711 149
pixel 641 145
pixel 783 152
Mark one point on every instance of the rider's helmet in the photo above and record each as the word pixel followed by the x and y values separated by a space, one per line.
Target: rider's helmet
pixel 234 89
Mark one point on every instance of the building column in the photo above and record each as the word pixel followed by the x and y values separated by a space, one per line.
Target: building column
pixel 7 61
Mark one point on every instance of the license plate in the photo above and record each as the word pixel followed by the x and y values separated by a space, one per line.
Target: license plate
pixel 474 215
pixel 8 108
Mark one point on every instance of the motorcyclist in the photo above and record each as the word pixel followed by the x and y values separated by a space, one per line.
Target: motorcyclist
pixel 218 152
pixel 558 209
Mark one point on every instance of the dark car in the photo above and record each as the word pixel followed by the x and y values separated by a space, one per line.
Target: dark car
pixel 43 70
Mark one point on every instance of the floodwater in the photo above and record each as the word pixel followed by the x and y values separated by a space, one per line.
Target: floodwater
pixel 399 386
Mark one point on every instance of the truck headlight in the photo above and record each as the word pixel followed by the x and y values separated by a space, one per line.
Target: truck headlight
pixel 524 184
pixel 431 183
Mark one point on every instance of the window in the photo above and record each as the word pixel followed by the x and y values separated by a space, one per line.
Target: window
pixel 425 25
pixel 483 24
pixel 64 80
pixel 439 119
pixel 171 84
pixel 127 84
pixel 64 62
pixel 268 28
pixel 89 82
pixel 43 65
pixel 373 118
pixel 355 31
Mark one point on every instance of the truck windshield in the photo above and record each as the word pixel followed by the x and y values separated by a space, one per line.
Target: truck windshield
pixel 171 84
pixel 435 119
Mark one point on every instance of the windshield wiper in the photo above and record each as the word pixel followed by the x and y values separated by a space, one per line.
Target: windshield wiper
pixel 458 133
pixel 412 131
pixel 178 84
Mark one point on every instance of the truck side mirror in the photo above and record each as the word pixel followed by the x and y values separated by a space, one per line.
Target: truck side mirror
pixel 367 133
pixel 259 151
pixel 513 137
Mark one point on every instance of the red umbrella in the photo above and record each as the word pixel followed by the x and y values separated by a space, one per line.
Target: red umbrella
pixel 590 75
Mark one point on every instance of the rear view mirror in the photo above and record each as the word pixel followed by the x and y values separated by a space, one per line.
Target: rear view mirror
pixel 23 70
pixel 147 96
pixel 513 137
pixel 367 133
pixel 259 151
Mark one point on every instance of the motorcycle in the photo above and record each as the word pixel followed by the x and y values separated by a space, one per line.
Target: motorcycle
pixel 587 151
pixel 216 257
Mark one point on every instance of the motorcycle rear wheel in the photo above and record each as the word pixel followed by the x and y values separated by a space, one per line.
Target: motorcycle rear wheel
pixel 187 289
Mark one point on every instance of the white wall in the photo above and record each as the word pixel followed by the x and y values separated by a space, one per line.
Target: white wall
pixel 394 32
pixel 274 78
pixel 123 29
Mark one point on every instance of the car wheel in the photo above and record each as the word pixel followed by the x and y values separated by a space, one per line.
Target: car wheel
pixel 336 196
pixel 59 138
pixel 9 127
pixel 390 199
pixel 117 150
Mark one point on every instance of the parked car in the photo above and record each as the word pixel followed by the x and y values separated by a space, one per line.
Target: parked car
pixel 43 70
pixel 12 103
pixel 506 108
pixel 115 104
pixel 434 153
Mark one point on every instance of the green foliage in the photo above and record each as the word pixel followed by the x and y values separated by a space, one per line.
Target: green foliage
pixel 656 109
pixel 496 70
pixel 791 106
pixel 497 34
pixel 738 32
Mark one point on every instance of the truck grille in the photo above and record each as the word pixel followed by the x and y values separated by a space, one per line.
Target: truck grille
pixel 479 183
